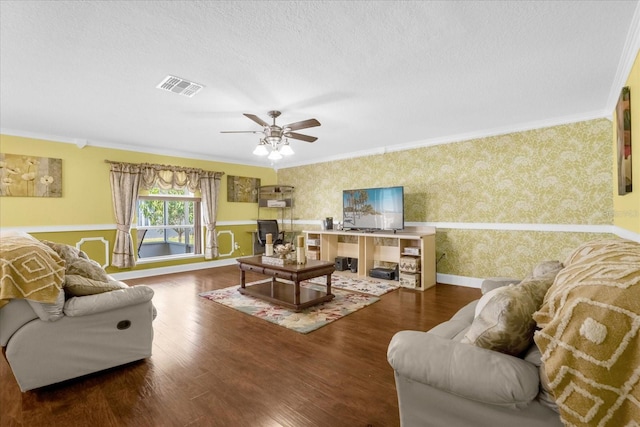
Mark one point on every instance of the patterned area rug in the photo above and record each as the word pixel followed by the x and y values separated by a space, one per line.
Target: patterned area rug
pixel 303 322
pixel 367 286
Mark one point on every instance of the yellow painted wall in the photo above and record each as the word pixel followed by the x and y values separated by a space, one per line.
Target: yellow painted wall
pixel 86 193
pixel 86 197
pixel 627 207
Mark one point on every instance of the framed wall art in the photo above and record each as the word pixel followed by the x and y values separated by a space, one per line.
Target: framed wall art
pixel 623 132
pixel 242 189
pixel 29 176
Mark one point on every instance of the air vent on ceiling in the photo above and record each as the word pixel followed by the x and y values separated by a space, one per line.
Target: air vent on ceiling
pixel 180 86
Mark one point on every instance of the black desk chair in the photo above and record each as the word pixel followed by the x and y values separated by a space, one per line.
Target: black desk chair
pixel 266 226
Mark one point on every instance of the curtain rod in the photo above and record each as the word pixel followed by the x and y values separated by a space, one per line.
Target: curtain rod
pixel 159 166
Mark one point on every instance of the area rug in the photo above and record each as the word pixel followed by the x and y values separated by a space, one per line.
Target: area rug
pixel 367 286
pixel 307 320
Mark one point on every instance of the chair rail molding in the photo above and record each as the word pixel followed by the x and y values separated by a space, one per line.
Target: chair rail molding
pixel 97 239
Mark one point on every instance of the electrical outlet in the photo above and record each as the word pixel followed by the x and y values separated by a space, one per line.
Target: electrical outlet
pixel 236 246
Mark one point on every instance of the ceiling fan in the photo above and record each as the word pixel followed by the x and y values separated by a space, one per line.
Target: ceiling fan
pixel 273 135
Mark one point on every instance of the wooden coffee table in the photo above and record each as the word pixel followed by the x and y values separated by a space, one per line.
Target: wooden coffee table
pixel 288 294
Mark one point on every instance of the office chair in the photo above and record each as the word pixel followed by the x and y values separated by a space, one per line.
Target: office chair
pixel 266 226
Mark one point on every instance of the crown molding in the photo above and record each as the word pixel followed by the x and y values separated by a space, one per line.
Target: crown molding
pixel 520 127
pixel 630 51
pixel 485 133
pixel 81 143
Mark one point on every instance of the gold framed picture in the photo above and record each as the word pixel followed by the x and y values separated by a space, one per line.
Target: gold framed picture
pixel 29 176
pixel 242 189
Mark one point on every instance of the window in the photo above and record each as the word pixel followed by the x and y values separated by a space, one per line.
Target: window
pixel 168 224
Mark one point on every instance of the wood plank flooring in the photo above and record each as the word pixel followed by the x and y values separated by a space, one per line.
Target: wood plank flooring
pixel 215 366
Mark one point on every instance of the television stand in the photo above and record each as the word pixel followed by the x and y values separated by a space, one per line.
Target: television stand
pixel 381 245
pixel 368 230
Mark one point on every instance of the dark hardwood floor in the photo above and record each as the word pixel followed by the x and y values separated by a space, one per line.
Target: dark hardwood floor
pixel 214 366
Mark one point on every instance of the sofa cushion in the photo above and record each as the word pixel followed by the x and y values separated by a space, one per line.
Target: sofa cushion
pixel 504 320
pixel 76 285
pixel 463 370
pixel 98 303
pixel 49 312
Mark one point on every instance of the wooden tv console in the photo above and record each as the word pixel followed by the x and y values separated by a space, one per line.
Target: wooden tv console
pixel 369 247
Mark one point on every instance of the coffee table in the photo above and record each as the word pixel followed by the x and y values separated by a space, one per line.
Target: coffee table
pixel 288 294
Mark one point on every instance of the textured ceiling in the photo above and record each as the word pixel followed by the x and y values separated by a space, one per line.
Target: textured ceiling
pixel 378 75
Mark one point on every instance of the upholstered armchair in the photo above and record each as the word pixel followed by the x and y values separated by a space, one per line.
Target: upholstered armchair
pixel 67 317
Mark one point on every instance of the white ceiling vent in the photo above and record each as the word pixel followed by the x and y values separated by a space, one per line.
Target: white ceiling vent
pixel 180 86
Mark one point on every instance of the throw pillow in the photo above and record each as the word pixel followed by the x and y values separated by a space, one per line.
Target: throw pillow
pixel 504 321
pixel 67 252
pixel 76 285
pixel 87 268
pixel 546 268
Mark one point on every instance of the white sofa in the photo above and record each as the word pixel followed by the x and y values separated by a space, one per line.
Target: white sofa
pixel 86 325
pixel 558 348
pixel 443 382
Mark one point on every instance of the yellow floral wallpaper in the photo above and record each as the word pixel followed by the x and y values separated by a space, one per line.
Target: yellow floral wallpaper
pixel 554 175
pixel 499 253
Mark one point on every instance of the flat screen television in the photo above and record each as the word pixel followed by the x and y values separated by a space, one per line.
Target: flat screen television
pixel 373 208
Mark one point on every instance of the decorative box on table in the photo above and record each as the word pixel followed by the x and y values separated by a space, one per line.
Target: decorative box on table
pixel 280 262
pixel 409 264
pixel 410 280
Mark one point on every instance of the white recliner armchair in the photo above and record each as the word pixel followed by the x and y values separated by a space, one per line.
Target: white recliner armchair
pixel 88 323
pixel 96 332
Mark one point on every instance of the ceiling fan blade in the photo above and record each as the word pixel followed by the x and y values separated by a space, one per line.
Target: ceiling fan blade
pixel 303 124
pixel 240 131
pixel 300 136
pixel 256 119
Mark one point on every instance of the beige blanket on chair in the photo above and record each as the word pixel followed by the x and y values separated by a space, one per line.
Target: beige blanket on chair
pixel 30 270
pixel 590 339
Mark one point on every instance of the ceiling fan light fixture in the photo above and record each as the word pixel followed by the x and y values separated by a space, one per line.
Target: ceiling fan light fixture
pixel 275 155
pixel 260 149
pixel 286 149
pixel 273 140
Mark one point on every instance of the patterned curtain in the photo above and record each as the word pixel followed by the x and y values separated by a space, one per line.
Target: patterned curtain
pixel 127 178
pixel 209 189
pixel 169 177
pixel 125 181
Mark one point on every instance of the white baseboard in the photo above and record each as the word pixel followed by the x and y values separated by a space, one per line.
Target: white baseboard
pixel 137 274
pixel 451 279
